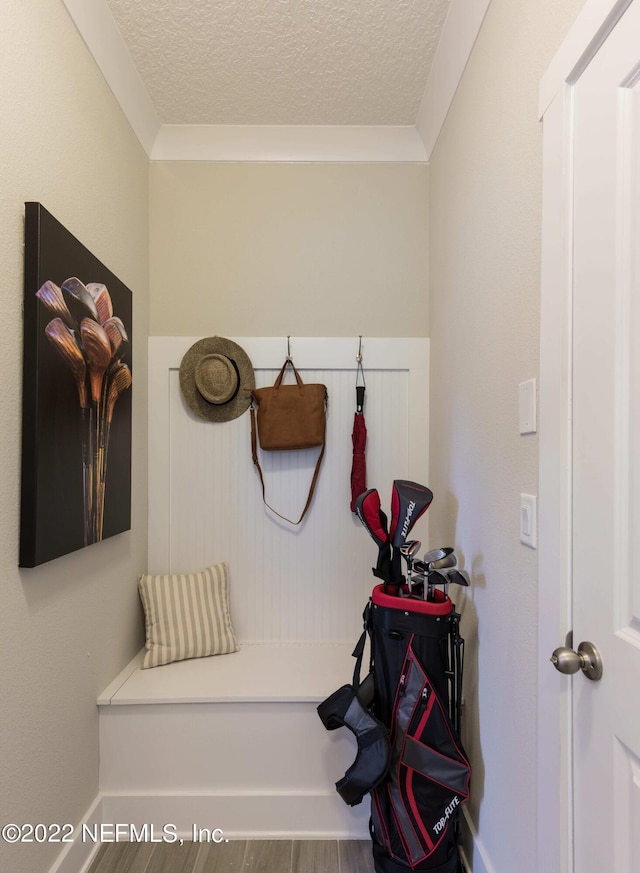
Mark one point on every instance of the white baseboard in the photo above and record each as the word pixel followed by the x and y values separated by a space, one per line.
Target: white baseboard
pixel 315 815
pixel 76 857
pixel 294 815
pixel 312 816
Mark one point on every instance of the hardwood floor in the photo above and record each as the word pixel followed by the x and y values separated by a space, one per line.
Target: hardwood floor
pixel 236 856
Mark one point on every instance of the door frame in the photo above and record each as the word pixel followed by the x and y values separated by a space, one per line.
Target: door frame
pixel 555 584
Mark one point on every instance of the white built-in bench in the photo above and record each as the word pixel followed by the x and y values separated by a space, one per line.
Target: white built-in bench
pixel 231 742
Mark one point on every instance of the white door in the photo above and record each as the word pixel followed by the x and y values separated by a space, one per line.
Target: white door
pixel 606 451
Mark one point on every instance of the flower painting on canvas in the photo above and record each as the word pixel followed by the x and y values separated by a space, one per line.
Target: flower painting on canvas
pixel 76 454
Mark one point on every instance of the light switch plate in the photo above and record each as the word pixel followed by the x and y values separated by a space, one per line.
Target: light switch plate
pixel 528 520
pixel 527 406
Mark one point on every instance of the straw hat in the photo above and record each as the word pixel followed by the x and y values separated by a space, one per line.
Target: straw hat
pixel 216 378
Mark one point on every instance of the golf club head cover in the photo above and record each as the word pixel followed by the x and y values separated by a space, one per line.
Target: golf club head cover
pixel 409 501
pixel 372 761
pixel 369 511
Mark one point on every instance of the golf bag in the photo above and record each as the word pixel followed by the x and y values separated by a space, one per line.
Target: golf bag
pixel 413 695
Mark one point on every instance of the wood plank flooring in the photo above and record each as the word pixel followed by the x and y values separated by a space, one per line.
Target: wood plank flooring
pixel 236 856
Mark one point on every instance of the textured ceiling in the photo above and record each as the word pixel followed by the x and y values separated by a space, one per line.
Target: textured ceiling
pixel 290 62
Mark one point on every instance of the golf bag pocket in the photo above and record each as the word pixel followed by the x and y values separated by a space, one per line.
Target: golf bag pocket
pixel 394 623
pixel 414 810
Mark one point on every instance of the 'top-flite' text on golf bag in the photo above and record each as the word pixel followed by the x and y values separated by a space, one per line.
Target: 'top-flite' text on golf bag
pixel 406 714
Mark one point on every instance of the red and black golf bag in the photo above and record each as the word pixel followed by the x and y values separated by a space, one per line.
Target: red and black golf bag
pixel 417 670
pixel 406 718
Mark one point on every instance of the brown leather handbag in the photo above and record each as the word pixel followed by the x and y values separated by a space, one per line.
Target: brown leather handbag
pixel 289 417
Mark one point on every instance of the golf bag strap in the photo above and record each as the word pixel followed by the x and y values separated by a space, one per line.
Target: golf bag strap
pixel 358 652
pixel 372 761
pixel 254 454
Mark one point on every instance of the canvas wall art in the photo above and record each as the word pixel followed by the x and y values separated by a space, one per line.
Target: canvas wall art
pixel 77 387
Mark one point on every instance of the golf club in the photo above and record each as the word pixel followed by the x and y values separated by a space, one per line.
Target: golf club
pixel 442 563
pixel 449 560
pixel 408 550
pixel 116 332
pixel 424 566
pixel 65 342
pixel 78 300
pixel 434 577
pixel 458 577
pixel 453 577
pixel 437 554
pixel 97 350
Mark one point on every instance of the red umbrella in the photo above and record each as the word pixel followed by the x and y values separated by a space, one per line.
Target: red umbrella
pixel 359 438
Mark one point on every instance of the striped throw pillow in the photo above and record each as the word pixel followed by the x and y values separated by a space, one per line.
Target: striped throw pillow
pixel 186 615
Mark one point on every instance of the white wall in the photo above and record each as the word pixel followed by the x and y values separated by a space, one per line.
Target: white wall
pixel 67 627
pixel 485 207
pixel 284 249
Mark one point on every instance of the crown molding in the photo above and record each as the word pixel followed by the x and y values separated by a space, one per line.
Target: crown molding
pixel 460 30
pixel 98 29
pixel 302 143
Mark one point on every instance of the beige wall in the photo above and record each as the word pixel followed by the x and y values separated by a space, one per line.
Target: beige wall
pixel 485 205
pixel 263 249
pixel 66 627
pixel 278 249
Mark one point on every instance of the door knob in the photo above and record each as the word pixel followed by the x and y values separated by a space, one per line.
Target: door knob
pixel 587 659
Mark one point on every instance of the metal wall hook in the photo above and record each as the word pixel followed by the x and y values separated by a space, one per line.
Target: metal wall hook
pixel 360 389
pixel 289 348
pixel 360 368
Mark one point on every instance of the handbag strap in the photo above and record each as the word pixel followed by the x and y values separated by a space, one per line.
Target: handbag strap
pixel 278 381
pixel 254 454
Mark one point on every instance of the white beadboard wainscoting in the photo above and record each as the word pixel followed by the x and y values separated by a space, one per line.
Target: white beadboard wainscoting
pixel 235 741
pixel 288 584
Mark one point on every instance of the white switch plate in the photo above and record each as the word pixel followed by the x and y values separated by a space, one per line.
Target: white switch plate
pixel 528 520
pixel 527 406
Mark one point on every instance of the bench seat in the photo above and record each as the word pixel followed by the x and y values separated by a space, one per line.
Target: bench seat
pixel 254 674
pixel 232 742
